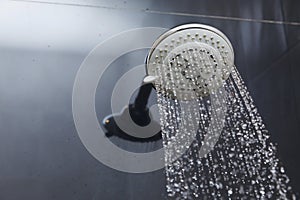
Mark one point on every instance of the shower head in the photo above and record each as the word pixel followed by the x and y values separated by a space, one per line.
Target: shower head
pixel 184 63
pixel 189 61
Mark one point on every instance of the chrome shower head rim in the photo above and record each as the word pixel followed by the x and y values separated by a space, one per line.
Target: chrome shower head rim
pixel 184 27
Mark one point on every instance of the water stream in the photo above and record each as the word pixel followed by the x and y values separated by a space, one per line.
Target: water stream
pixel 217 146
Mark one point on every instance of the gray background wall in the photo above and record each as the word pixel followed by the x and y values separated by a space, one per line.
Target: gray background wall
pixel 43 43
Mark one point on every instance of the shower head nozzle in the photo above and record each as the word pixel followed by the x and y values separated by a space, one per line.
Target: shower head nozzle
pixel 189 61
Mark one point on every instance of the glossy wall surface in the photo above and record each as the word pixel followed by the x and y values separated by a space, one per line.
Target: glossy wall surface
pixel 42 45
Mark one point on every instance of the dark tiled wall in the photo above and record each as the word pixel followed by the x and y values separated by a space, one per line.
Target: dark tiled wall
pixel 42 45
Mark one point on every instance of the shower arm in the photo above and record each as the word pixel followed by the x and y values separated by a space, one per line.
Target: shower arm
pixel 139 111
pixel 140 102
pixel 139 114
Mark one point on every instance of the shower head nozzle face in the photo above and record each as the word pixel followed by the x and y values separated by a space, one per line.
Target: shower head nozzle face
pixel 189 61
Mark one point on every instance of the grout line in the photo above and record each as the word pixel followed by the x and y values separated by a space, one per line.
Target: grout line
pixel 226 18
pixel 169 13
pixel 65 4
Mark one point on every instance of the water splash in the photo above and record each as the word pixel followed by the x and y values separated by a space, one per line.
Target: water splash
pixel 216 146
